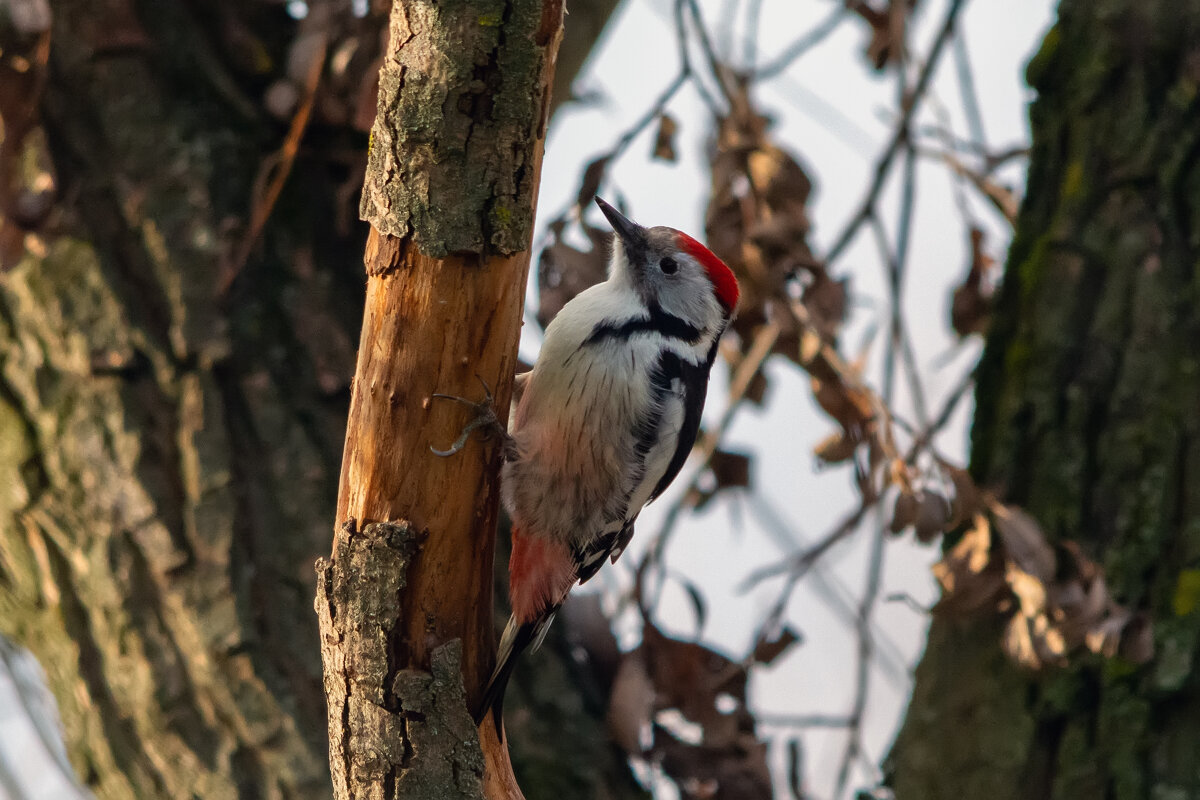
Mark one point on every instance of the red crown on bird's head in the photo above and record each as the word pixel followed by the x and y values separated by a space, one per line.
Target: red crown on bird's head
pixel 725 285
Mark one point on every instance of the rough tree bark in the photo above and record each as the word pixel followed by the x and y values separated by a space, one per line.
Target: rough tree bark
pixel 170 439
pixel 1087 416
pixel 450 192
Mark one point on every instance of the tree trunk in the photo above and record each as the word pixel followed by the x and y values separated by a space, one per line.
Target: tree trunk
pixel 451 191
pixel 171 419
pixel 1087 417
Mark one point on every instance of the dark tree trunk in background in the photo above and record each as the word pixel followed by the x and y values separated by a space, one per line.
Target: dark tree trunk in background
pixel 172 414
pixel 1089 418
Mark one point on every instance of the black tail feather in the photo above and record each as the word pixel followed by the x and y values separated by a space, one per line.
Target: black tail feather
pixel 516 639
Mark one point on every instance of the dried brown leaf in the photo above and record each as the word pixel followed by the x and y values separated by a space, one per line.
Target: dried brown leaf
pixel 1017 643
pixel 689 676
pixel 732 470
pixel 1137 640
pixel 809 350
pixel 778 178
pixel 1028 589
pixel 851 406
pixel 1024 542
pixel 729 471
pixel 967 499
pixel 933 512
pixel 778 242
pixel 592 175
pixel 1049 642
pixel 970 577
pixel 1105 637
pixel 766 651
pixel 904 513
pixel 971 304
pixel 886 44
pixel 757 390
pixel 1078 563
pixel 1078 608
pixel 825 300
pixel 835 448
pixel 664 139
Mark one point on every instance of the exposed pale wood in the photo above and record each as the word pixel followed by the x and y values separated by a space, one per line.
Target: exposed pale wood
pixel 443 315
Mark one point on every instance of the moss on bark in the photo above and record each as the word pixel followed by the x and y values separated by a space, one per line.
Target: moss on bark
pixel 457 66
pixel 1086 415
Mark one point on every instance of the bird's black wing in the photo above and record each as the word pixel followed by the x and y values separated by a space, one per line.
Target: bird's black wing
pixel 693 383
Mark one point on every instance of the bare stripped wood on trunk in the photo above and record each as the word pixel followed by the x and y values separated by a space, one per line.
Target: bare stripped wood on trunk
pixel 450 194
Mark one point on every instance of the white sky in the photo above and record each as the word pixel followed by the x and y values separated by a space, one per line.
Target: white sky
pixel 835 114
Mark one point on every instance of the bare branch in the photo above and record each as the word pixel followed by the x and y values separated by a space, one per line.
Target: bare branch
pixel 798 48
pixel 900 136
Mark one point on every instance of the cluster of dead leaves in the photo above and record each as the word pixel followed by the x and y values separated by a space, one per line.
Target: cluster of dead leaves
pixel 679 706
pixel 757 222
pixel 682 707
pixel 1055 599
pixel 887 28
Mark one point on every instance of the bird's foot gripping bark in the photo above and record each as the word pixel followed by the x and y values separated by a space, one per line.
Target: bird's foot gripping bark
pixel 485 419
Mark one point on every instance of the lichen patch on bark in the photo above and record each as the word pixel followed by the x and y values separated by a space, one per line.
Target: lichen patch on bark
pixel 461 105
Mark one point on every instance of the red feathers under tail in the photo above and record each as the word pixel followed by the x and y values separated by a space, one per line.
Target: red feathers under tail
pixel 541 573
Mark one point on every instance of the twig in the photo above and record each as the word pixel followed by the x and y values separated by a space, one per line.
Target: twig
pixel 720 72
pixel 801 720
pixel 966 87
pixel 278 166
pixel 1001 199
pixel 801 562
pixel 901 135
pixel 685 74
pixel 750 40
pixel 653 113
pixel 685 58
pixel 864 655
pixel 899 337
pixel 726 27
pixel 829 587
pixel 798 48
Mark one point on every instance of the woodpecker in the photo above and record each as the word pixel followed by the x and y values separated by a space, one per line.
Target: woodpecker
pixel 606 420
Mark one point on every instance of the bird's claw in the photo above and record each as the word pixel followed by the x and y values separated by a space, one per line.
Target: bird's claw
pixel 485 417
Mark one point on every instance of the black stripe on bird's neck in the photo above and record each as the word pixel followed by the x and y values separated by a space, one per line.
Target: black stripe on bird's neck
pixel 660 322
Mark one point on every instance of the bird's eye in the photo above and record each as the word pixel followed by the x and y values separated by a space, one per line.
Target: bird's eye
pixel 668 266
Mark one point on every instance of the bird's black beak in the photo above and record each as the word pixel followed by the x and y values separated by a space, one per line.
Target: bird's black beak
pixel 633 236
